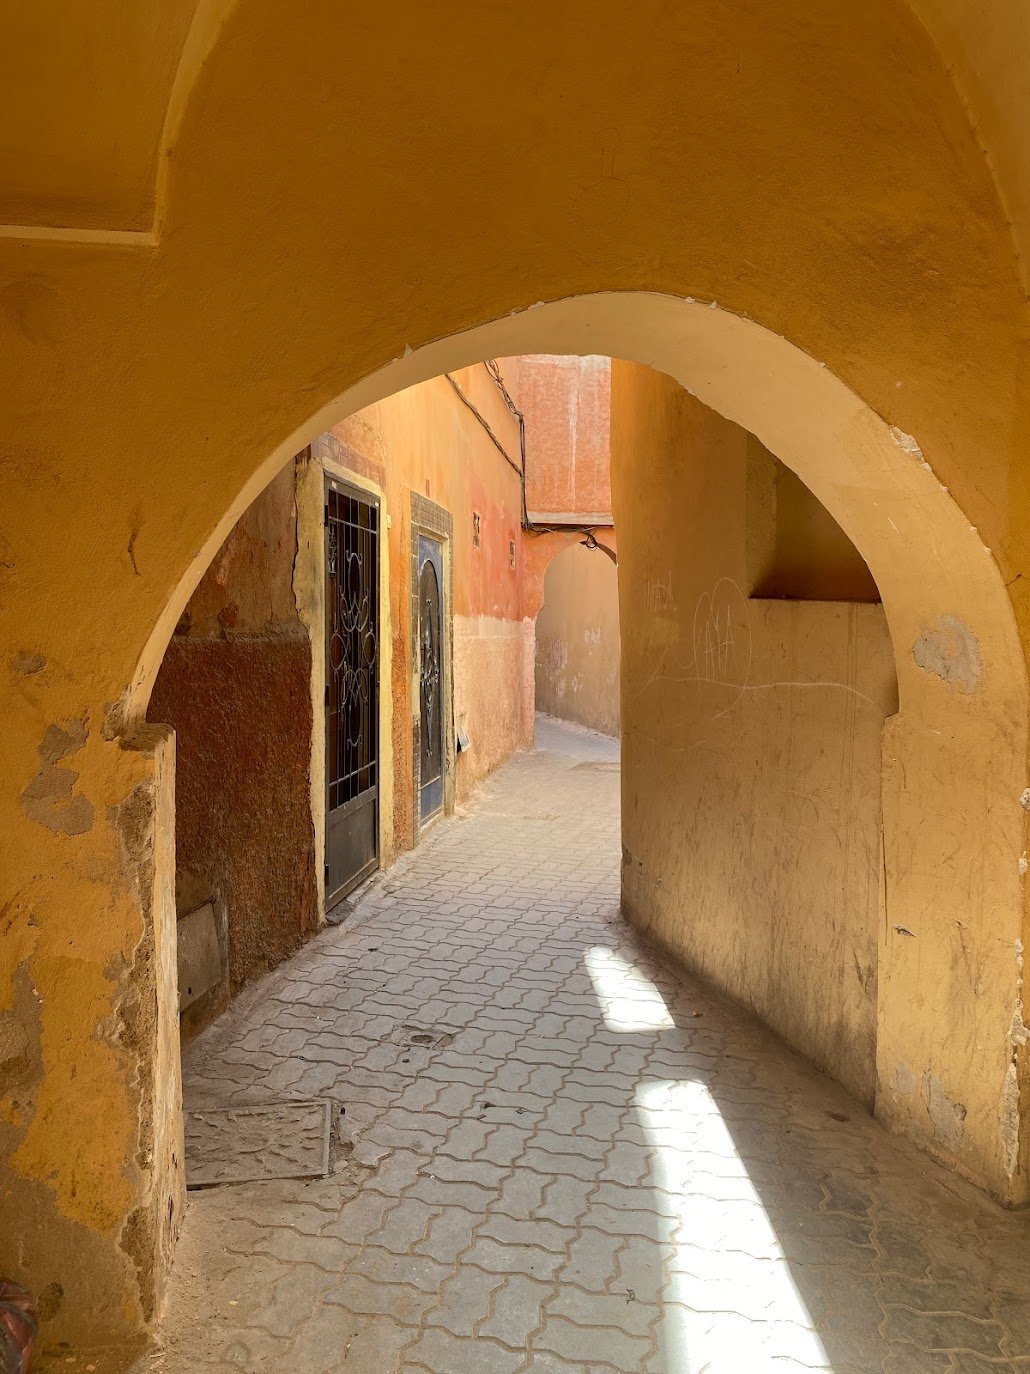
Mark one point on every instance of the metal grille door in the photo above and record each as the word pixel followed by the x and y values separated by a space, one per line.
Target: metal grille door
pixel 430 675
pixel 352 688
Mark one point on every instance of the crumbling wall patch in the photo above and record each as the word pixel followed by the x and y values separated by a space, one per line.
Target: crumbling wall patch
pixel 952 651
pixel 50 798
pixel 946 1117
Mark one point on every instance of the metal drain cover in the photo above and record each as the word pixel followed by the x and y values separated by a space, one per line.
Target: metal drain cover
pixel 248 1144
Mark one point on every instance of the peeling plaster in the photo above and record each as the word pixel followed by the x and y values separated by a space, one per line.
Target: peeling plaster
pixel 906 442
pixel 14 1048
pixel 946 1117
pixel 50 798
pixel 1019 1038
pixel 21 1063
pixel 28 664
pixel 116 717
pixel 905 1079
pixel 1009 1118
pixel 952 651
pixel 133 1024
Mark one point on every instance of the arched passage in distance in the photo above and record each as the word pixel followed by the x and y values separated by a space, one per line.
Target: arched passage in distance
pixel 577 637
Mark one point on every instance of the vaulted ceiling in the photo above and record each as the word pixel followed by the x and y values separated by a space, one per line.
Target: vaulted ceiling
pixel 92 91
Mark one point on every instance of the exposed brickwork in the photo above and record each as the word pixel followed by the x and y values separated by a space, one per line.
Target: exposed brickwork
pixel 597 1167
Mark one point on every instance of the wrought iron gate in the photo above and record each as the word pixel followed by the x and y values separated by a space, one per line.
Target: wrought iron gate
pixel 430 675
pixel 352 688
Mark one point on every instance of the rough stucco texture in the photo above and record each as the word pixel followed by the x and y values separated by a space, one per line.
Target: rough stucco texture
pixel 566 401
pixel 425 439
pixel 242 716
pixel 751 795
pixel 489 687
pixel 235 685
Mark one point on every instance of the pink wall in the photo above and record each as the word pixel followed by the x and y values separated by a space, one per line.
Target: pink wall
pixel 567 404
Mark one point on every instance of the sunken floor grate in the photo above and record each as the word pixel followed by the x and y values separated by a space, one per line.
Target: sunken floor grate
pixel 250 1144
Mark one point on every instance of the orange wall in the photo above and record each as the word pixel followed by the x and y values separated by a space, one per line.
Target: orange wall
pixel 243 616
pixel 752 736
pixel 306 245
pixel 235 682
pixel 426 440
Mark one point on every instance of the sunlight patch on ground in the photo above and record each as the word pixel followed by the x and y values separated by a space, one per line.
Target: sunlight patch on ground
pixel 628 999
pixel 730 1303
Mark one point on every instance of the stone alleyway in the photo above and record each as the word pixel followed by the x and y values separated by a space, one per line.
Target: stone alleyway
pixel 592 1165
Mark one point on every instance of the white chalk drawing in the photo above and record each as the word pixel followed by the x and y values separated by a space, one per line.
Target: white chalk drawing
pixel 722 652
pixel 722 645
pixel 658 596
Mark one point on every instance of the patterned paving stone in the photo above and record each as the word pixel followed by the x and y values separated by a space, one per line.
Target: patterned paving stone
pixel 546 1163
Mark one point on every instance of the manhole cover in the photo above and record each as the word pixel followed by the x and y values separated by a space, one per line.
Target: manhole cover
pixel 247 1144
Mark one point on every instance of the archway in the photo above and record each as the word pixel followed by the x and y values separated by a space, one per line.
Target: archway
pixel 845 202
pixel 960 731
pixel 961 683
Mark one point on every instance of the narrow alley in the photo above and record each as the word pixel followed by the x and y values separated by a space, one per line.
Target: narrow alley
pixel 552 1151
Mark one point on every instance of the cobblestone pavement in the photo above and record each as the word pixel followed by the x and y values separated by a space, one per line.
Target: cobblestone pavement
pixel 593 1166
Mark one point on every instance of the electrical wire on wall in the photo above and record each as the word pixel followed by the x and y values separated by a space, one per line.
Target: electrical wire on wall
pixel 529 526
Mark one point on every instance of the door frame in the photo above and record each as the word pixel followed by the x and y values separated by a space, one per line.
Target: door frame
pixel 437 523
pixel 344 487
pixel 327 455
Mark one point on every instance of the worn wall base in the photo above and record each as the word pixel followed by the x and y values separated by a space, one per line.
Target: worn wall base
pixel 92 1190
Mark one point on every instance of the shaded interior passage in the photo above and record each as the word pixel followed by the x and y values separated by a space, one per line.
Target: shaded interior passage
pixel 554 1152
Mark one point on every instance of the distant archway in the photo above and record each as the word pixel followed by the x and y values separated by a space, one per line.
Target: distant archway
pixel 577 638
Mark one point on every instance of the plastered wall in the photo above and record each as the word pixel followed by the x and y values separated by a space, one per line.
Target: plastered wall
pixel 577 639
pixel 238 680
pixel 752 763
pixel 427 440
pixel 237 683
pixel 788 207
pixel 235 687
pixel 793 547
pixel 566 400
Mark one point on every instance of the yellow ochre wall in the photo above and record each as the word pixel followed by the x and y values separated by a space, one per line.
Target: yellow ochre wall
pixel 532 184
pixel 751 796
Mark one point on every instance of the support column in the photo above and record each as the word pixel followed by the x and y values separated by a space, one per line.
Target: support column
pixel 91 1178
